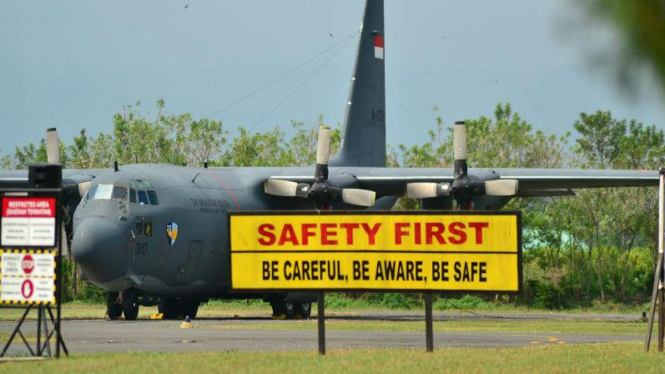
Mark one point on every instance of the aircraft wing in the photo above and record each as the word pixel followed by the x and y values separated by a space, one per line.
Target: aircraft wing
pixel 19 178
pixel 532 182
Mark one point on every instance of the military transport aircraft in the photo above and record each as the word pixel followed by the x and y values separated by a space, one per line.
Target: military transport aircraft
pixel 159 233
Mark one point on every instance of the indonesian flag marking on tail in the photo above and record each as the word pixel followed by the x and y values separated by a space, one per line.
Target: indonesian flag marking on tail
pixel 378 46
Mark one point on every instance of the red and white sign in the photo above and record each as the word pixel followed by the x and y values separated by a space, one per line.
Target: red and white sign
pixel 378 46
pixel 27 277
pixel 28 264
pixel 27 289
pixel 28 221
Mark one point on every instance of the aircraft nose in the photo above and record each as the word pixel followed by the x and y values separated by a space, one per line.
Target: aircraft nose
pixel 99 246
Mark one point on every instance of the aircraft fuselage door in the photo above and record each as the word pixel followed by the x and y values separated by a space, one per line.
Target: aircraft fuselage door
pixel 188 269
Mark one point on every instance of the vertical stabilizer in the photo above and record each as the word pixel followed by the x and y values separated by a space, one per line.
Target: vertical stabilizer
pixel 364 133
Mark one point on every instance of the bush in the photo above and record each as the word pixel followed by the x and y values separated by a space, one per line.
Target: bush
pixel 548 296
pixel 465 302
pixel 397 301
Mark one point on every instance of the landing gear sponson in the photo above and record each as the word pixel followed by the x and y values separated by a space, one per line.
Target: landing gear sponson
pixel 127 304
pixel 288 306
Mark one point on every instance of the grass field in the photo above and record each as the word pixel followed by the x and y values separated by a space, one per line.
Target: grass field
pixel 555 358
pixel 597 358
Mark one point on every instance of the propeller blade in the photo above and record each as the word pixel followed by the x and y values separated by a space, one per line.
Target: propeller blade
pixel 52 146
pixel 459 148
pixel 83 188
pixel 322 154
pixel 459 140
pixel 355 196
pixel 501 187
pixel 424 190
pixel 323 146
pixel 63 237
pixel 280 187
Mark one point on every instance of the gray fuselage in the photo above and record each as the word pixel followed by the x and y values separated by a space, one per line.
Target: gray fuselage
pixel 121 227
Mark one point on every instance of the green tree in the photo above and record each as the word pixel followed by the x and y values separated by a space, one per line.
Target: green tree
pixel 641 26
pixel 24 156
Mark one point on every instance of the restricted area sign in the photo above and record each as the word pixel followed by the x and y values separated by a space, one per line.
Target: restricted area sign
pixel 28 221
pixel 27 277
pixel 401 251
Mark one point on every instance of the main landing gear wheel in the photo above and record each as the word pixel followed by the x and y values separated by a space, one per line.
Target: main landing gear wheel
pixel 190 307
pixel 130 305
pixel 280 307
pixel 173 308
pixel 304 310
pixel 169 308
pixel 113 309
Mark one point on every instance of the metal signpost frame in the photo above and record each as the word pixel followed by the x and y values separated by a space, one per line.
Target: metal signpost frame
pixel 427 292
pixel 657 295
pixel 44 181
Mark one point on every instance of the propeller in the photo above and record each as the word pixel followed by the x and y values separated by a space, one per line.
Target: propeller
pixel 320 192
pixel 464 188
pixel 53 157
pixel 72 191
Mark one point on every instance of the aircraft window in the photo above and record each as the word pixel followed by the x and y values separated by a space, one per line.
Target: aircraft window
pixel 153 197
pixel 89 193
pixel 102 191
pixel 142 192
pixel 143 198
pixel 140 184
pixel 106 192
pixel 119 192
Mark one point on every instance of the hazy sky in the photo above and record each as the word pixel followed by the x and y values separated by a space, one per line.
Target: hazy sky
pixel 73 64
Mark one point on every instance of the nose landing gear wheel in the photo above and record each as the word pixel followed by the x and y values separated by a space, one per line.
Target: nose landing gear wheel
pixel 113 309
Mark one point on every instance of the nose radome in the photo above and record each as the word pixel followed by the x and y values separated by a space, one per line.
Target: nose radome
pixel 99 247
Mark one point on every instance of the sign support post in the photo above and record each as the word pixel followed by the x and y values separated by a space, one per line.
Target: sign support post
pixel 429 328
pixel 657 297
pixel 321 309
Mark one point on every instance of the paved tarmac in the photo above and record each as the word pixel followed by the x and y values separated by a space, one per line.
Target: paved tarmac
pixel 225 334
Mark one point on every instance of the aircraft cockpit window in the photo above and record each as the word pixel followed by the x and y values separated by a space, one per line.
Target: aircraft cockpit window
pixel 153 197
pixel 142 192
pixel 140 184
pixel 107 192
pixel 143 198
pixel 119 193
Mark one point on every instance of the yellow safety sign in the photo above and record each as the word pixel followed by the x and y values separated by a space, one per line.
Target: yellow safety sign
pixel 376 251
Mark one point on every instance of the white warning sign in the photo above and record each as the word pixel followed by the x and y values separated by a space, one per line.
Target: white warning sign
pixel 27 278
pixel 28 221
